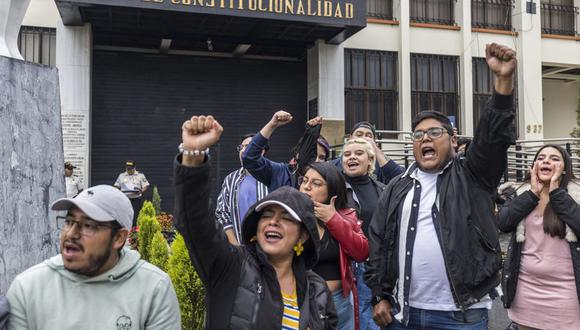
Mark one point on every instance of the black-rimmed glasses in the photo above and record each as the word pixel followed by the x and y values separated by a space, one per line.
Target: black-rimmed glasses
pixel 433 132
pixel 87 228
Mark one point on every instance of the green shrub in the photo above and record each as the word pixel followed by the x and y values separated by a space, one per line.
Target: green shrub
pixel 159 251
pixel 148 226
pixel 156 200
pixel 188 287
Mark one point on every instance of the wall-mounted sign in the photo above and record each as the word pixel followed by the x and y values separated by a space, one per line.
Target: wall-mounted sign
pixel 338 13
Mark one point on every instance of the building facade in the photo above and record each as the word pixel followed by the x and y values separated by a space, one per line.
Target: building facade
pixel 131 71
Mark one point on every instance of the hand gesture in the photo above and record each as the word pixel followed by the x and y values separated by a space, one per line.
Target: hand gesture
pixel 325 211
pixel 280 118
pixel 314 121
pixel 200 132
pixel 555 180
pixel 501 60
pixel 536 184
pixel 382 313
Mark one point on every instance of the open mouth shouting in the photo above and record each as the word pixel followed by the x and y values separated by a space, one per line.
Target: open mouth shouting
pixel 71 250
pixel 273 236
pixel 428 153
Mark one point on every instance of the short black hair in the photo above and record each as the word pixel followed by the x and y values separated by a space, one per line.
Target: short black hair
pixel 445 122
pixel 364 124
pixel 251 135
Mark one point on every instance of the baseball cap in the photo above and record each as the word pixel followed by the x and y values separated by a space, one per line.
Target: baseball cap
pixel 288 209
pixel 101 203
pixel 129 163
pixel 69 165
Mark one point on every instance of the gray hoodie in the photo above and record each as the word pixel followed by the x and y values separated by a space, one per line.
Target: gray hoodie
pixel 132 295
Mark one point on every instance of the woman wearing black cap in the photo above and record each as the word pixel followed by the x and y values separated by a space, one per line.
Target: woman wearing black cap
pixel 266 283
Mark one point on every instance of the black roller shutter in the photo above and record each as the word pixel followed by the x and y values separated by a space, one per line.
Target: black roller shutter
pixel 140 102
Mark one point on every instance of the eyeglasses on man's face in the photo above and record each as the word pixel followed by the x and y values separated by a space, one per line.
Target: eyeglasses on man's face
pixel 314 183
pixel 87 227
pixel 433 132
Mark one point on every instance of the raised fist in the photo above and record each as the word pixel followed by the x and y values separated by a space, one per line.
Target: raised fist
pixel 280 118
pixel 501 60
pixel 314 121
pixel 200 132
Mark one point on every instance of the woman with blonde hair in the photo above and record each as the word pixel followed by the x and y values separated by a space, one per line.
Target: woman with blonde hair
pixel 541 277
pixel 363 191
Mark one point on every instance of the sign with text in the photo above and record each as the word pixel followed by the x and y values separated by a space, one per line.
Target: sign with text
pixel 338 13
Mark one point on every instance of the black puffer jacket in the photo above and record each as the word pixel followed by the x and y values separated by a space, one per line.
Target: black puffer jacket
pixel 567 210
pixel 468 232
pixel 242 290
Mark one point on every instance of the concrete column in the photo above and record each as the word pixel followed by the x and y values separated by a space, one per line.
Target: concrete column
pixel 529 49
pixel 577 4
pixel 73 60
pixel 326 82
pixel 405 117
pixel 463 10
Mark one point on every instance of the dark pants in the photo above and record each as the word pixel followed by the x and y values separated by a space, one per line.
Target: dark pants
pixel 136 203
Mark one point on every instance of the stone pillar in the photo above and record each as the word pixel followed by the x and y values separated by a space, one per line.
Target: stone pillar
pixel 465 69
pixel 74 63
pixel 31 170
pixel 529 54
pixel 405 113
pixel 326 83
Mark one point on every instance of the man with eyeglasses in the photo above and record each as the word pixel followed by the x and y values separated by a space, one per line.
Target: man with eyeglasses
pixel 240 190
pixel 95 283
pixel 435 255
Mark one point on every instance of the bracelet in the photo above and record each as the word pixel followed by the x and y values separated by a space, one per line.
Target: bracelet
pixel 194 153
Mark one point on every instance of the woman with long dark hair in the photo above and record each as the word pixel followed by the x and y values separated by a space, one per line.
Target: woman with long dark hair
pixel 342 239
pixel 541 278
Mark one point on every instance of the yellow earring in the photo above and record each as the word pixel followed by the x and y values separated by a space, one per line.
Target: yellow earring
pixel 253 239
pixel 298 248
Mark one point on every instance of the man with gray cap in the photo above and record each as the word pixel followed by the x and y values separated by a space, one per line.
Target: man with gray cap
pixel 94 283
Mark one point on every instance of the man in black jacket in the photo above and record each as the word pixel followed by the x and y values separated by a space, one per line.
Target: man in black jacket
pixel 435 255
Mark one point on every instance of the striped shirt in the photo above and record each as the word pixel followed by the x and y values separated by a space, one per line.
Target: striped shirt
pixel 227 212
pixel 291 315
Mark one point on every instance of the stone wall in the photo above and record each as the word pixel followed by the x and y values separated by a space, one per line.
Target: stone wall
pixel 31 166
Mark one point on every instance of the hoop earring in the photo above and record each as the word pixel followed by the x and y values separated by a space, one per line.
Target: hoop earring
pixel 298 248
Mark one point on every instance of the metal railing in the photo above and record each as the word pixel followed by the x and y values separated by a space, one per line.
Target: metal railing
pixel 492 14
pixel 432 11
pixel 559 19
pixel 382 9
pixel 519 159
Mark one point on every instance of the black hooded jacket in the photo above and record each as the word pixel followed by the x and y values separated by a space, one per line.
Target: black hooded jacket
pixel 242 290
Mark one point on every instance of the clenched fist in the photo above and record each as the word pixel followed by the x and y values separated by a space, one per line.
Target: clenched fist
pixel 502 61
pixel 199 133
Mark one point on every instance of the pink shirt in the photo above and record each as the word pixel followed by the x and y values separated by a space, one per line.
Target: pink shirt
pixel 546 295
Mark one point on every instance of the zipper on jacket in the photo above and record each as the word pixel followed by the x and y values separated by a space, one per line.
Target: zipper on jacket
pixel 483 238
pixel 260 296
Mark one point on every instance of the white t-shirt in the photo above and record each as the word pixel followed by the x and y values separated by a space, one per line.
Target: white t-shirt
pixel 430 288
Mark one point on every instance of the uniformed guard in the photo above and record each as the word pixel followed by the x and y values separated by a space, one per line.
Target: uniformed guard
pixel 133 184
pixel 73 183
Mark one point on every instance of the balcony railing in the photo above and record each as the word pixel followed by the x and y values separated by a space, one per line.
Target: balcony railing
pixel 432 11
pixel 492 14
pixel 559 19
pixel 382 9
